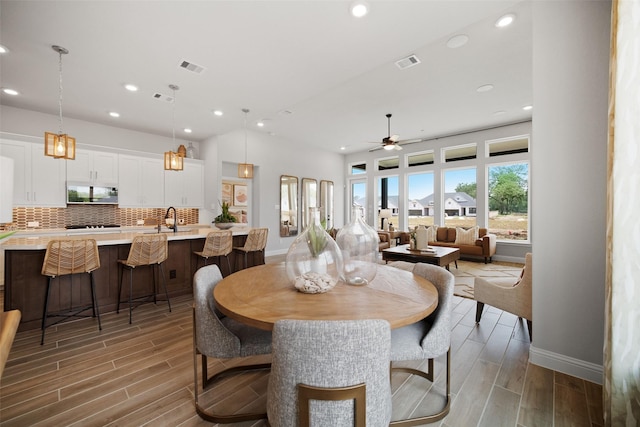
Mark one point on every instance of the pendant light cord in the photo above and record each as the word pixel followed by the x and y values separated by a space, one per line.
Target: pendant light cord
pixel 60 91
pixel 245 111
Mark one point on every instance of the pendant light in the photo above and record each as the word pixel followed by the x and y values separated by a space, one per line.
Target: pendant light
pixel 245 170
pixel 59 145
pixel 173 161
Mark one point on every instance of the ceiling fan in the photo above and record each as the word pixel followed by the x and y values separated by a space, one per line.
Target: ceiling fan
pixel 391 141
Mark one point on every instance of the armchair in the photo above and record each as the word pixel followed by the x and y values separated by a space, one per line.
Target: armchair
pixel 384 240
pixel 513 298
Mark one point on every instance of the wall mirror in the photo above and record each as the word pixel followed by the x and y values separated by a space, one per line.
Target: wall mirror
pixel 288 206
pixel 309 198
pixel 326 204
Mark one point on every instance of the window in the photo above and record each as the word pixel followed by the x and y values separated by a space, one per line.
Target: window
pixel 420 206
pixel 509 201
pixel 389 163
pixel 359 168
pixel 504 146
pixel 460 197
pixel 419 159
pixel 462 152
pixel 359 196
pixel 388 198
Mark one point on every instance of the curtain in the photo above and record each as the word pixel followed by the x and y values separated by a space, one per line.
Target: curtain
pixel 622 307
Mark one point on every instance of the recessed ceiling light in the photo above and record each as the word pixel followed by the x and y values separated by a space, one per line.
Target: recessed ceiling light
pixel 343 148
pixel 505 20
pixel 114 114
pixel 10 91
pixel 187 130
pixel 527 107
pixel 485 88
pixel 260 124
pixel 218 113
pixel 359 9
pixel 3 49
pixel 457 41
pixel 131 88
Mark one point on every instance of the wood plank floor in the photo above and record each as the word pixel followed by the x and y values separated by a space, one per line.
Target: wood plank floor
pixel 142 374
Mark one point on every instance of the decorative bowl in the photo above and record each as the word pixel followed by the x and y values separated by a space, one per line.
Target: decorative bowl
pixel 224 225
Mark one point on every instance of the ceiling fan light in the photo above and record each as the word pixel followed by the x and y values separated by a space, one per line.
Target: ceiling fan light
pixel 389 147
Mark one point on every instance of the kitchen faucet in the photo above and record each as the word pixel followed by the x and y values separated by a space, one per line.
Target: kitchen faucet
pixel 175 219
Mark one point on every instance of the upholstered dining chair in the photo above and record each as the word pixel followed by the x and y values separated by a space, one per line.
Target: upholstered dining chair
pixel 217 336
pixel 65 257
pixel 341 365
pixel 148 250
pixel 217 244
pixel 514 298
pixel 256 242
pixel 427 339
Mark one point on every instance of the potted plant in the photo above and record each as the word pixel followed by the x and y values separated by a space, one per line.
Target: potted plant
pixel 225 219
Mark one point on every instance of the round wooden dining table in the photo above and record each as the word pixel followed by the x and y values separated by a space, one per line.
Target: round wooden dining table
pixel 259 296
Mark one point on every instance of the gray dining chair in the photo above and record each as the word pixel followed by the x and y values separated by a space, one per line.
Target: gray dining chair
pixel 330 373
pixel 427 339
pixel 217 336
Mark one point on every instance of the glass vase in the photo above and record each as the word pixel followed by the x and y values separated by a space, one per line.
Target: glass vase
pixel 314 261
pixel 358 243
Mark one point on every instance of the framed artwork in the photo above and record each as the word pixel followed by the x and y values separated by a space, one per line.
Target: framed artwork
pixel 226 193
pixel 240 197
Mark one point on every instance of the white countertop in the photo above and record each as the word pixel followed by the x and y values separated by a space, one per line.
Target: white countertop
pixel 38 240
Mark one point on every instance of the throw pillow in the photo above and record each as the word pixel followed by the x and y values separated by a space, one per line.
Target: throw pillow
pixel 466 237
pixel 432 233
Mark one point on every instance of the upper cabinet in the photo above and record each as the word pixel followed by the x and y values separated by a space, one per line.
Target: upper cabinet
pixel 140 181
pixel 38 179
pixel 93 167
pixel 185 188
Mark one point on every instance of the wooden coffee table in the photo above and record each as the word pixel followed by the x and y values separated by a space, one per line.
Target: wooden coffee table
pixel 442 257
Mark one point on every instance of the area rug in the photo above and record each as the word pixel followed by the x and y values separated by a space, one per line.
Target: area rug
pixel 503 273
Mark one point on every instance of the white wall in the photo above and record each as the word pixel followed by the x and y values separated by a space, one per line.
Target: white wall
pixel 272 157
pixel 570 86
pixel 33 123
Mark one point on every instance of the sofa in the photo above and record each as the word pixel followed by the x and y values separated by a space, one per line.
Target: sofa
pixel 484 246
pixel 384 240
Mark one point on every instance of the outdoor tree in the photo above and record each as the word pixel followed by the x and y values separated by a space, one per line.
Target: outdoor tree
pixel 469 188
pixel 508 189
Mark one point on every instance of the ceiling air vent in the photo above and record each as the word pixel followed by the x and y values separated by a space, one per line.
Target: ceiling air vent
pixel 190 66
pixel 161 97
pixel 407 62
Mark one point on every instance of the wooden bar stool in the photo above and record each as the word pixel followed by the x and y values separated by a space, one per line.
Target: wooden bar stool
pixel 217 244
pixel 149 250
pixel 67 257
pixel 256 242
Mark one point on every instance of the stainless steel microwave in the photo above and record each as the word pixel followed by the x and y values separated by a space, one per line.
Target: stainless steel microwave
pixel 78 193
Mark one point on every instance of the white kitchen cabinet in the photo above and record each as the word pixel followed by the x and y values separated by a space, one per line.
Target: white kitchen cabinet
pixel 185 188
pixel 38 179
pixel 93 167
pixel 140 182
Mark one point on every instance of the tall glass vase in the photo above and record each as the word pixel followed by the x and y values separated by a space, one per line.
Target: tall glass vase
pixel 359 245
pixel 314 262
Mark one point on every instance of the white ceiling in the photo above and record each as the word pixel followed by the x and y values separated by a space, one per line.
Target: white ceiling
pixel 334 72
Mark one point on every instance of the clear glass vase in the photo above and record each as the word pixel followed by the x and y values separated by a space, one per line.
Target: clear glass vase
pixel 192 153
pixel 358 243
pixel 314 261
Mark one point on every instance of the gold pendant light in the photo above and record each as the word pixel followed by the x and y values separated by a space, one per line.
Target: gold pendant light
pixel 173 161
pixel 59 145
pixel 245 170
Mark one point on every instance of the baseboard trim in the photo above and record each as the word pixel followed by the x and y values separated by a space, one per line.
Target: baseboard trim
pixel 567 365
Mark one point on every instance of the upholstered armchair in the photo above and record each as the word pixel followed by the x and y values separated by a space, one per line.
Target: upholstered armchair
pixel 384 240
pixel 510 297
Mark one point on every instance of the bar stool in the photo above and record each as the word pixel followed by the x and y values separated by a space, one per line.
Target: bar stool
pixel 67 257
pixel 150 250
pixel 217 244
pixel 256 242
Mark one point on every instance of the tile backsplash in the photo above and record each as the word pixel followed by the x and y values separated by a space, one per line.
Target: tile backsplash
pixel 94 214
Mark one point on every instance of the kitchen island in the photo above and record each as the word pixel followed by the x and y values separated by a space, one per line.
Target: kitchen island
pixel 25 287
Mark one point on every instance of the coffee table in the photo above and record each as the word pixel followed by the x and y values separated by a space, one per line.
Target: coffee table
pixel 442 257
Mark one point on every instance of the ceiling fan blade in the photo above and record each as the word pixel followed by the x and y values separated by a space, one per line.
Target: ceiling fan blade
pixel 397 147
pixel 394 138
